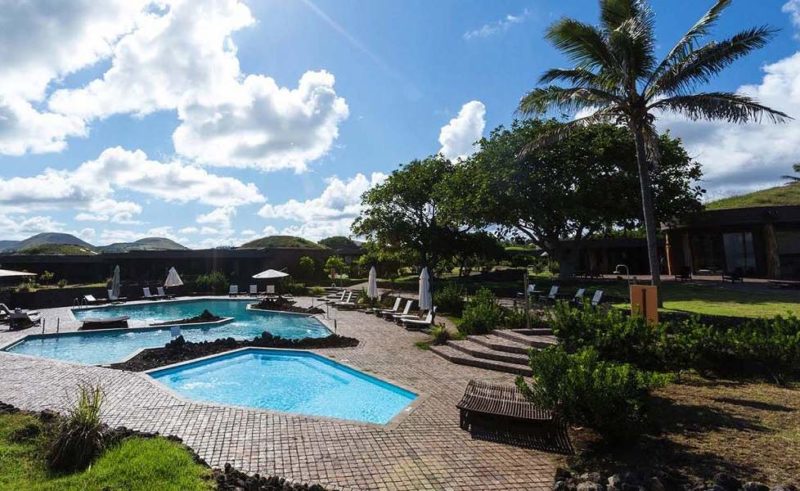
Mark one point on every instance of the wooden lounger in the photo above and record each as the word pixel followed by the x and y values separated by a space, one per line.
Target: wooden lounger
pixel 498 401
pixel 105 323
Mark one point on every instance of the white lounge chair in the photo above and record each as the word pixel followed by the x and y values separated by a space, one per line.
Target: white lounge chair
pixel 532 291
pixel 233 290
pixel 578 298
pixel 400 315
pixel 393 310
pixel 162 293
pixel 149 295
pixel 346 302
pixel 552 296
pixel 421 324
pixel 90 300
pixel 597 298
pixel 351 303
pixel 253 290
pixel 270 289
pixel 338 298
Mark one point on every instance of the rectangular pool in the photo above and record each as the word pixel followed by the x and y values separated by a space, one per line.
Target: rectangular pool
pixel 104 347
pixel 290 381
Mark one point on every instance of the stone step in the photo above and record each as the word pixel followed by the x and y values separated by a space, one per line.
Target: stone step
pixel 499 343
pixel 478 350
pixel 459 357
pixel 535 341
pixel 535 331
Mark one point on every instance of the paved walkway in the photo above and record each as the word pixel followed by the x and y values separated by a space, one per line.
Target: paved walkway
pixel 426 450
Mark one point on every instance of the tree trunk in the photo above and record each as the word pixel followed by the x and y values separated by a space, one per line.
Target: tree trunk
pixel 647 208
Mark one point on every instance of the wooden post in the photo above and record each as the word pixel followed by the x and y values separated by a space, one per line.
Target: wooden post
pixel 644 302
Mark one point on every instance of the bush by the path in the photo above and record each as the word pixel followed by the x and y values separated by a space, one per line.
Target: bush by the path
pixel 80 437
pixel 748 347
pixel 482 313
pixel 584 390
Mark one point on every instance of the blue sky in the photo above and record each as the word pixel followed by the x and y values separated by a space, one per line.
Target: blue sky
pixel 215 121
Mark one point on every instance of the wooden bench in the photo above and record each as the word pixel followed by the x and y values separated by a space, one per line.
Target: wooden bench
pixel 498 401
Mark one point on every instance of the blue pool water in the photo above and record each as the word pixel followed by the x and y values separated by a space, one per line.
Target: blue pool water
pixel 98 347
pixel 290 381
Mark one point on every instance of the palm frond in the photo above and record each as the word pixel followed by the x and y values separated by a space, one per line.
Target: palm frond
pixel 633 46
pixel 700 65
pixel 539 100
pixel 688 42
pixel 615 12
pixel 547 138
pixel 582 43
pixel 726 106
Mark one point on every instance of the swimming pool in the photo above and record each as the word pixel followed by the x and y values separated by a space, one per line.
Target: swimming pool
pixel 104 347
pixel 290 381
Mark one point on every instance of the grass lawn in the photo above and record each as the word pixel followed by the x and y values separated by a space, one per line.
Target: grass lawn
pixel 136 464
pixel 748 429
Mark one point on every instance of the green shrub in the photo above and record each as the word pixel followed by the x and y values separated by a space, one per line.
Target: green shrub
pixel 62 283
pixel 450 299
pixel 298 289
pixel 514 319
pixel 316 291
pixel 482 314
pixel 581 389
pixel 214 282
pixel 306 268
pixel 440 335
pixel 79 438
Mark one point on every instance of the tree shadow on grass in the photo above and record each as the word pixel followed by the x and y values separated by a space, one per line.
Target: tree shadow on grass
pixel 763 406
pixel 672 445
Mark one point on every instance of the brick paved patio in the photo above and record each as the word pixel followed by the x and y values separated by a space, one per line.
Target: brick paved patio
pixel 426 450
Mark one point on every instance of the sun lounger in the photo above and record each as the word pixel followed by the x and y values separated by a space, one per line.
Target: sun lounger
pixel 578 298
pixel 20 319
pixel 400 315
pixel 90 300
pixel 486 403
pixel 346 302
pixel 270 290
pixel 532 292
pixel 412 324
pixel 112 298
pixel 338 298
pixel 552 296
pixel 233 290
pixel 597 298
pixel 149 295
pixel 393 310
pixel 253 290
pixel 162 293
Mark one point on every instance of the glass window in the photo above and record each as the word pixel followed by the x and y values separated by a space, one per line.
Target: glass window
pixel 739 252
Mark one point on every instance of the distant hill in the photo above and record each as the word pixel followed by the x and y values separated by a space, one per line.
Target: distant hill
pixel 285 241
pixel 777 196
pixel 340 243
pixel 52 238
pixel 146 244
pixel 56 250
pixel 8 245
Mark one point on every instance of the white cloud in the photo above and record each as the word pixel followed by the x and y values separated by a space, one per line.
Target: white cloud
pixel 259 124
pixel 792 7
pixel 23 129
pixel 331 213
pixel 220 217
pixel 740 158
pixel 458 137
pixel 15 227
pixel 498 26
pixel 90 187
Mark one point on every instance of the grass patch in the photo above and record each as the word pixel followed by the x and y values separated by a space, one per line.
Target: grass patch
pixel 777 196
pixel 702 426
pixel 135 464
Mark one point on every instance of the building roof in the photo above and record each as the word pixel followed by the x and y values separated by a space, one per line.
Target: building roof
pixel 787 195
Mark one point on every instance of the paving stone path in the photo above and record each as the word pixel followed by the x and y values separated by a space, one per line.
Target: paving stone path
pixel 425 450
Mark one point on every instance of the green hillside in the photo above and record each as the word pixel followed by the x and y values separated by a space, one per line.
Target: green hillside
pixel 339 242
pixel 284 241
pixel 56 250
pixel 51 239
pixel 146 244
pixel 778 196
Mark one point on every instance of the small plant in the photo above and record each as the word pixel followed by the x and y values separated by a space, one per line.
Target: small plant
pixel 214 282
pixel 582 389
pixel 514 319
pixel 46 277
pixel 450 299
pixel 316 291
pixel 440 335
pixel 79 438
pixel 62 283
pixel 482 314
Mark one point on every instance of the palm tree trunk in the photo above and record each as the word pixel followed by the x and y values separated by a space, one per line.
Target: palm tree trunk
pixel 647 208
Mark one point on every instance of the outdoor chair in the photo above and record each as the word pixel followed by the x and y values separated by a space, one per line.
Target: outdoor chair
pixel 162 293
pixel 149 295
pixel 552 296
pixel 578 298
pixel 393 310
pixel 346 302
pixel 597 298
pixel 532 292
pixel 20 319
pixel 400 315
pixel 90 300
pixel 233 290
pixel 253 290
pixel 270 290
pixel 413 325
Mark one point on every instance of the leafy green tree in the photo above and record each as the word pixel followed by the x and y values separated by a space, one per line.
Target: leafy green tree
pixel 335 265
pixel 617 77
pixel 306 267
pixel 582 186
pixel 404 213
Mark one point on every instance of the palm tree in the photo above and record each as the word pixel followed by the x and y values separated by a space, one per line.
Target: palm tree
pixel 793 179
pixel 617 78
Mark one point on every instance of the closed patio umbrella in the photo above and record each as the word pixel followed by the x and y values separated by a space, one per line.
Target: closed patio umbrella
pixel 172 278
pixel 115 283
pixel 372 287
pixel 425 300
